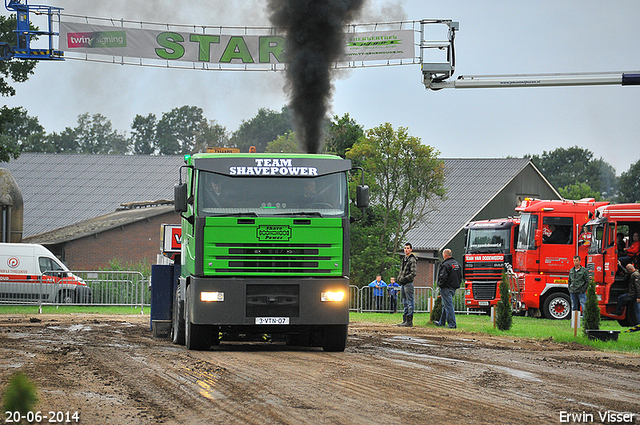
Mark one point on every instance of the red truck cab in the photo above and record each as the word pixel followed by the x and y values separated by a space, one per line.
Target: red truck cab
pixel 611 279
pixel 551 233
pixel 489 246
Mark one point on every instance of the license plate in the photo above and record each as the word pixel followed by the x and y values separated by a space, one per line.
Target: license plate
pixel 272 320
pixel 483 303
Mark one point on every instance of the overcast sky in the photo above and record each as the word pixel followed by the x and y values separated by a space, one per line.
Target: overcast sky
pixel 495 37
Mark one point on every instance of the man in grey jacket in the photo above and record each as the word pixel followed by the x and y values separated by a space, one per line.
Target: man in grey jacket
pixel 408 272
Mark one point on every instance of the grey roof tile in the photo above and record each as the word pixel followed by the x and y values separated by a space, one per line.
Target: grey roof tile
pixel 61 189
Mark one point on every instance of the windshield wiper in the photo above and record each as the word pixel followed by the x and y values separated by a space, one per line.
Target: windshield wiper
pixel 241 214
pixel 303 213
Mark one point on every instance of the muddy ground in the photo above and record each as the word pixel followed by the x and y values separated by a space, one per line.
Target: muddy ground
pixel 111 371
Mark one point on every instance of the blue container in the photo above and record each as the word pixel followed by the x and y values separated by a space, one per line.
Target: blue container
pixel 163 280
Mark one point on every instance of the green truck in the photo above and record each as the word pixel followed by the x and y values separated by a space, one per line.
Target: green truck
pixel 265 249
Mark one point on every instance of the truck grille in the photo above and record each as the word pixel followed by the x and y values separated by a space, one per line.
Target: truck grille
pixel 274 258
pixel 484 290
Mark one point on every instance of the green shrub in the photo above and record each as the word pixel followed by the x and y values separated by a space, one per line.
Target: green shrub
pixel 504 317
pixel 20 395
pixel 591 312
pixel 436 312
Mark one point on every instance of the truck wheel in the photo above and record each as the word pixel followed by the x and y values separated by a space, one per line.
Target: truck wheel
pixel 557 306
pixel 630 318
pixel 177 322
pixel 334 338
pixel 197 337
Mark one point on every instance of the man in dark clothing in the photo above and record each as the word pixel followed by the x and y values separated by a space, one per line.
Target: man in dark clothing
pixel 449 279
pixel 633 294
pixel 557 235
pixel 408 272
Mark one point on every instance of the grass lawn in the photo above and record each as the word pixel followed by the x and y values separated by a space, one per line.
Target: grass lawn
pixel 523 327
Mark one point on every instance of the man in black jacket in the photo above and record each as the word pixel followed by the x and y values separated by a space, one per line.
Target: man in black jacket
pixel 449 279
pixel 408 271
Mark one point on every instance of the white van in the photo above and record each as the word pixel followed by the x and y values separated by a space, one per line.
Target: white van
pixel 31 273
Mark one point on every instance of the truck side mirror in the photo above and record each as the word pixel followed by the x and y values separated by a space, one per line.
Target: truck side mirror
pixel 362 196
pixel 180 197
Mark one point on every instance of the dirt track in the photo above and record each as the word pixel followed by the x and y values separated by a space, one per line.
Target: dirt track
pixel 110 370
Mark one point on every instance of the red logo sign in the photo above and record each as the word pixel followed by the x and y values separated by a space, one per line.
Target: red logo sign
pixel 176 233
pixel 13 262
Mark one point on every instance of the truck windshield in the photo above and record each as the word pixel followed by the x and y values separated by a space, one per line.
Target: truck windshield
pixel 597 234
pixel 322 196
pixel 527 233
pixel 488 241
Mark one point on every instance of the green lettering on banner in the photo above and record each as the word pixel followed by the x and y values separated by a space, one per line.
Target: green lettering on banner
pixel 273 45
pixel 236 49
pixel 171 43
pixel 204 45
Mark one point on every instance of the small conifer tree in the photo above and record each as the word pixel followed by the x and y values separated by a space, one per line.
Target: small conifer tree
pixel 20 395
pixel 436 311
pixel 591 312
pixel 504 319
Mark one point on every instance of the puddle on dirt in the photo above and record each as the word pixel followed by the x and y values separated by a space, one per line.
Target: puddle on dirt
pixel 516 373
pixel 411 340
pixel 72 328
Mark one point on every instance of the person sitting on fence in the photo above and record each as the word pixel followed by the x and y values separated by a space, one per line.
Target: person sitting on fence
pixel 378 291
pixel 393 289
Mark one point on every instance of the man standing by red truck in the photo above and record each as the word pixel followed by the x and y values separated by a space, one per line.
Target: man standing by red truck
pixel 578 284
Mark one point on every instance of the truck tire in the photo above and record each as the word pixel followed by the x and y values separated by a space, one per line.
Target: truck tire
pixel 630 318
pixel 557 306
pixel 334 338
pixel 177 322
pixel 197 337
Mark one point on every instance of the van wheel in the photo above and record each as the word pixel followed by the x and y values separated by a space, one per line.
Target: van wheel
pixel 557 306
pixel 66 297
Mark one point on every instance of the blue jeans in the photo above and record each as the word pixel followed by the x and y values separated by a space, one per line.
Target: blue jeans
pixel 448 313
pixel 407 298
pixel 578 301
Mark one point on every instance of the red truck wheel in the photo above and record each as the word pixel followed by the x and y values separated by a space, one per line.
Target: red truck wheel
pixel 557 306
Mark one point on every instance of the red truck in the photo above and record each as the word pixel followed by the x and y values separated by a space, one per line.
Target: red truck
pixel 489 246
pixel 551 233
pixel 605 250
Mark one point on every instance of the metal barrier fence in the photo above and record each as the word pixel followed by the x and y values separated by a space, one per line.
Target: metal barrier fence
pixel 109 288
pixel 366 300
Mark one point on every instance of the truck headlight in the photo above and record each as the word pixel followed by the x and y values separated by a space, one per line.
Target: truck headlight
pixel 332 296
pixel 208 297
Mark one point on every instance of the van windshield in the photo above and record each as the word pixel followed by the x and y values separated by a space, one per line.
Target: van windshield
pixel 49 264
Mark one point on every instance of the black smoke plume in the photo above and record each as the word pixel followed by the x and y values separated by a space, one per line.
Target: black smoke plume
pixel 315 34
